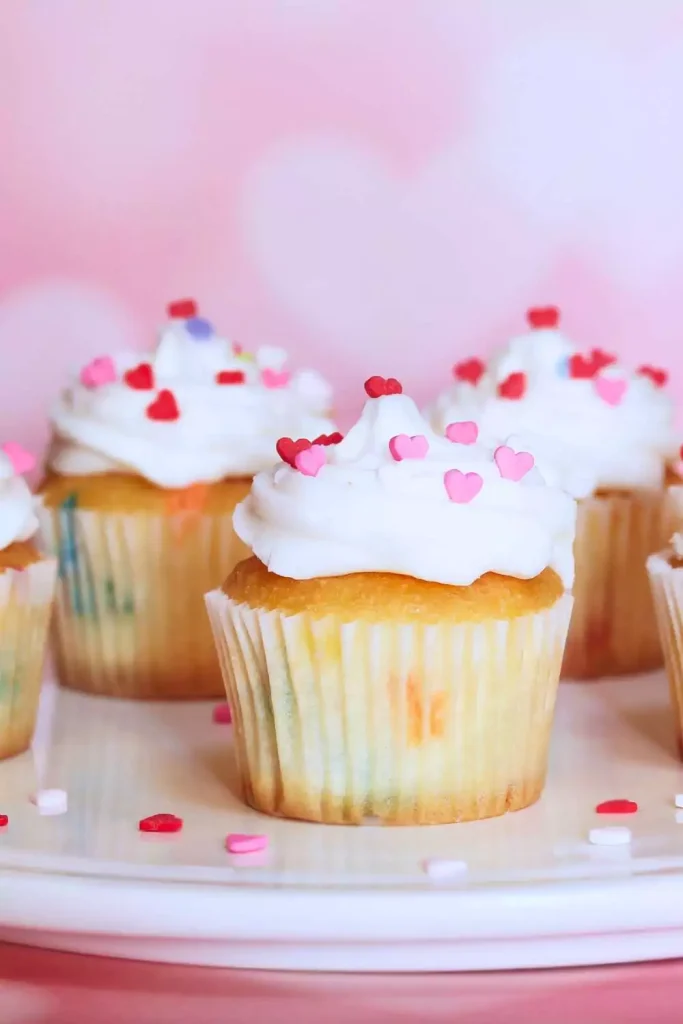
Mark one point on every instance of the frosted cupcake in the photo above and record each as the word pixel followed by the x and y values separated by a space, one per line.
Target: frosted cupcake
pixel 393 649
pixel 151 454
pixel 27 583
pixel 608 436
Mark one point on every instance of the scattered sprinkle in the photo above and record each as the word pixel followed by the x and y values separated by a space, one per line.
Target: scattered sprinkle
pixel 182 309
pixel 164 408
pixel 160 823
pixel 230 377
pixel 678 800
pixel 404 447
pixel 288 449
pixel 513 386
pixel 618 807
pixel 222 714
pixel 462 487
pixel 98 372
pixel 465 432
pixel 440 869
pixel 199 328
pixel 275 378
pixel 615 835
pixel 470 370
pixel 140 378
pixel 658 376
pixel 22 461
pixel 311 460
pixel 377 387
pixel 236 842
pixel 543 316
pixel 51 802
pixel 587 366
pixel 512 465
pixel 328 439
pixel 610 389
pixel 4 820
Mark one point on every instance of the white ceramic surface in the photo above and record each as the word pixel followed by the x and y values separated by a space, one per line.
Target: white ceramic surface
pixel 340 898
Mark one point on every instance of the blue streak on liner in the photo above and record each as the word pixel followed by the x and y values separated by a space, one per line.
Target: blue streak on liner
pixel 82 599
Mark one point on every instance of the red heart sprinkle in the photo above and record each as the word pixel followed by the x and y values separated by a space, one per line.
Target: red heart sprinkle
pixel 327 439
pixel 164 408
pixel 471 370
pixel 4 820
pixel 230 377
pixel 513 386
pixel 288 449
pixel 160 823
pixel 617 807
pixel 658 377
pixel 582 367
pixel 601 359
pixel 543 316
pixel 377 387
pixel 182 309
pixel 141 377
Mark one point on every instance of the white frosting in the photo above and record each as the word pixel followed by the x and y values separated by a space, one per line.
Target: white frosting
pixel 677 544
pixel 17 506
pixel 365 512
pixel 578 439
pixel 223 430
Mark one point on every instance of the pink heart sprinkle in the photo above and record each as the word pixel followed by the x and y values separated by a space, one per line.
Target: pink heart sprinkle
pixel 404 447
pixel 311 460
pixel 22 461
pixel 512 465
pixel 275 378
pixel 222 714
pixel 236 842
pixel 462 487
pixel 611 390
pixel 466 432
pixel 100 371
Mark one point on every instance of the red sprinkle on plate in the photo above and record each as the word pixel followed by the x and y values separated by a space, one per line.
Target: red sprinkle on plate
pixel 222 714
pixel 4 820
pixel 161 823
pixel 617 807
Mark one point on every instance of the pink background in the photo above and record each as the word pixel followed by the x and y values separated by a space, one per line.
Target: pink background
pixel 379 185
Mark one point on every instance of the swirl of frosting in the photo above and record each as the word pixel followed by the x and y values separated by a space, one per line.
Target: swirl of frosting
pixel 394 496
pixel 196 410
pixel 18 520
pixel 589 423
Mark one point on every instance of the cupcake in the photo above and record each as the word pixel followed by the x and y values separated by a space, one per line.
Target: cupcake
pixel 150 455
pixel 608 436
pixel 27 584
pixel 392 648
pixel 665 569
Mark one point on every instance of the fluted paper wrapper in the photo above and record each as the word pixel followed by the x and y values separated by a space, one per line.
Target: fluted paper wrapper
pixel 613 629
pixel 667 591
pixel 129 613
pixel 408 724
pixel 25 607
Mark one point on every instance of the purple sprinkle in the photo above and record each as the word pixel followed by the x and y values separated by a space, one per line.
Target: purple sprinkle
pixel 199 328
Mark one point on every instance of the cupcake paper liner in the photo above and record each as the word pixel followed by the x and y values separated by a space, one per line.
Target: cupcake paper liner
pixel 667 591
pixel 25 607
pixel 129 615
pixel 409 724
pixel 613 629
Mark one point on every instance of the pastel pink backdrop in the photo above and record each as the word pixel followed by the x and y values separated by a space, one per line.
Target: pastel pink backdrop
pixel 379 185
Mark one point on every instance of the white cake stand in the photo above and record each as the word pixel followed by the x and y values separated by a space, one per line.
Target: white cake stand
pixel 328 898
